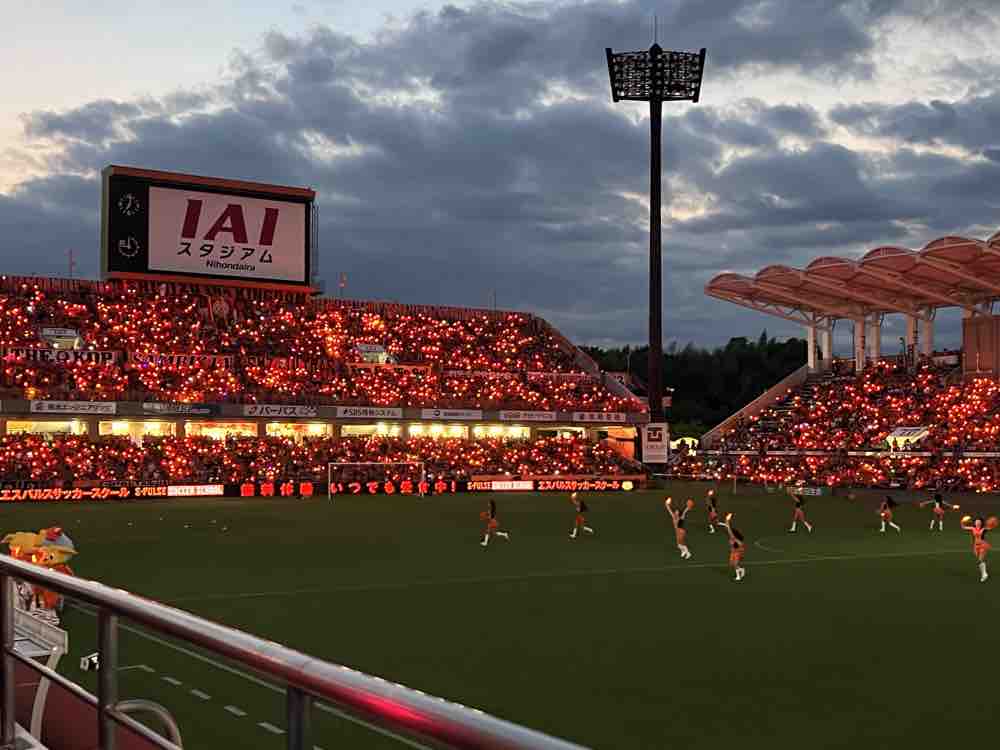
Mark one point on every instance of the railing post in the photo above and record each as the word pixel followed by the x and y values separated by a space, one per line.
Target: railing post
pixel 107 679
pixel 298 709
pixel 7 636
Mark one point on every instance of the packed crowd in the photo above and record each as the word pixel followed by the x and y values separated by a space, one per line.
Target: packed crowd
pixel 859 412
pixel 940 471
pixel 836 414
pixel 280 348
pixel 234 460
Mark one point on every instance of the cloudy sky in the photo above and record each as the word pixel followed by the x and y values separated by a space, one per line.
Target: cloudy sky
pixel 465 149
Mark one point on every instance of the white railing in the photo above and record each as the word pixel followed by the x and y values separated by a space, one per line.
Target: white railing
pixel 386 705
pixel 769 397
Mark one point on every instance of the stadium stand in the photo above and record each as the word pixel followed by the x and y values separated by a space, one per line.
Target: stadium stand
pixel 837 430
pixel 235 460
pixel 165 342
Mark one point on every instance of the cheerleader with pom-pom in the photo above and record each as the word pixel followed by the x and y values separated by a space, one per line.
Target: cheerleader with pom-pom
pixel 979 528
pixel 737 548
pixel 940 508
pixel 492 524
pixel 713 511
pixel 885 513
pixel 680 532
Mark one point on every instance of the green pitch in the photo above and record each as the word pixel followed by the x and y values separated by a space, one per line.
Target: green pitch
pixel 842 638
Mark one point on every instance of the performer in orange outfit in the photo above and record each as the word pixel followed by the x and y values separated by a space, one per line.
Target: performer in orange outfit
pixel 492 524
pixel 885 513
pixel 680 532
pixel 737 548
pixel 979 528
pixel 800 511
pixel 940 508
pixel 581 516
pixel 713 511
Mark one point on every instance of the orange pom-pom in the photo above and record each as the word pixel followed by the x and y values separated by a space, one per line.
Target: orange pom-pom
pixel 992 522
pixel 966 519
pixel 690 504
pixel 483 516
pixel 572 497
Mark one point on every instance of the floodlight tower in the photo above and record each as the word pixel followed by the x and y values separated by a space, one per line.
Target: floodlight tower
pixel 655 76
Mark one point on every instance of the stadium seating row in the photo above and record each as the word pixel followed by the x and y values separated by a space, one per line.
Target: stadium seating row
pixel 234 460
pixel 194 344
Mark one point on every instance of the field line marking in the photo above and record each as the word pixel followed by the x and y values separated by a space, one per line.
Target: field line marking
pixel 545 574
pixel 238 712
pixel 758 543
pixel 326 708
pixel 200 694
pixel 173 681
pixel 268 727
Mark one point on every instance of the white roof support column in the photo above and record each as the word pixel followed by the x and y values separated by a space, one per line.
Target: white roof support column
pixel 875 338
pixel 911 331
pixel 859 344
pixel 826 347
pixel 811 347
pixel 927 338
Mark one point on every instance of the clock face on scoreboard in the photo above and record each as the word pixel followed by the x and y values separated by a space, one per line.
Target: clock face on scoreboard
pixel 129 205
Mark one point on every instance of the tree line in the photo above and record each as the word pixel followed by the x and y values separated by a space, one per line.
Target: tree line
pixel 710 385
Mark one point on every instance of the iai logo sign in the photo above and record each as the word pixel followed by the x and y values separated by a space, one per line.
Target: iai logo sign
pixel 222 235
pixel 655 443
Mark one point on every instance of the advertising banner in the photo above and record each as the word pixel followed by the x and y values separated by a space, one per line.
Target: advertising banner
pixel 451 414
pixel 59 356
pixel 74 407
pixel 369 412
pixel 214 234
pixel 168 408
pixel 527 416
pixel 205 361
pixel 599 416
pixel 279 410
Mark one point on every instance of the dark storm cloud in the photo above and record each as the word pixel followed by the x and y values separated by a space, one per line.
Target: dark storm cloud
pixel 973 122
pixel 472 151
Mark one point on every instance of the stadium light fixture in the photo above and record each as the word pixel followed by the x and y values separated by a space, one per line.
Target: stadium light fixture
pixel 655 76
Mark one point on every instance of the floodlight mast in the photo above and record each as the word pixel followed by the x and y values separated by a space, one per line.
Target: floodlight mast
pixel 655 76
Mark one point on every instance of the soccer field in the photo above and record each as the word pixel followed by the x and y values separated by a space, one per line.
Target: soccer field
pixel 845 637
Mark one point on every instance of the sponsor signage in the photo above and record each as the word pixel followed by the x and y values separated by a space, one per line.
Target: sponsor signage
pixel 61 356
pixel 164 224
pixel 155 407
pixel 478 374
pixel 451 414
pixel 370 348
pixel 279 410
pixel 598 484
pixel 278 488
pixel 196 490
pixel 113 492
pixel 599 416
pixel 205 361
pixel 74 407
pixel 527 416
pixel 58 333
pixel 500 485
pixel 655 443
pixel 811 491
pixel 369 412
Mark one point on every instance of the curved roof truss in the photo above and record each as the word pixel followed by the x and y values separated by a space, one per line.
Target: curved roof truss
pixel 948 272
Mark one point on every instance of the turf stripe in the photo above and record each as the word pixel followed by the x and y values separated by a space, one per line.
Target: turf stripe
pixel 546 574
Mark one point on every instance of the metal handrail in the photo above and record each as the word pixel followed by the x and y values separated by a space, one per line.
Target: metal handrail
pixel 384 704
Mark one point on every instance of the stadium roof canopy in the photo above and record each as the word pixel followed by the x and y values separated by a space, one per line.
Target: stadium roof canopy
pixel 948 272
